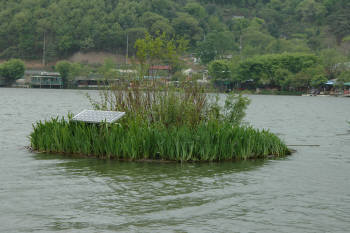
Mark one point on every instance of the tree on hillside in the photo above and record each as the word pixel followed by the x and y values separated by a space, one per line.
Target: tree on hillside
pixel 162 26
pixel 215 45
pixel 159 50
pixel 311 11
pixel 220 70
pixel 69 71
pixel 55 29
pixel 133 34
pixel 63 67
pixel 149 18
pixel 188 27
pixel 332 61
pixel 196 10
pixel 339 19
pixel 344 77
pixel 12 70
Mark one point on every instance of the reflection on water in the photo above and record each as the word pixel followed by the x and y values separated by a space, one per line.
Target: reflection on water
pixel 138 170
pixel 306 192
pixel 142 192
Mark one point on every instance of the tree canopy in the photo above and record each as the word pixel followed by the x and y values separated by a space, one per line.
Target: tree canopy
pixel 12 70
pixel 216 27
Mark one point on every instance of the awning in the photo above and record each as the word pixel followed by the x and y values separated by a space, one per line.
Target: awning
pixel 347 84
pixel 330 82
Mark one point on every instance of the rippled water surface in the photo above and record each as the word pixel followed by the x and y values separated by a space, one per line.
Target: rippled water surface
pixel 306 192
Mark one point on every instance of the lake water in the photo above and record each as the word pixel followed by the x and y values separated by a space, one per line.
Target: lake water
pixel 306 192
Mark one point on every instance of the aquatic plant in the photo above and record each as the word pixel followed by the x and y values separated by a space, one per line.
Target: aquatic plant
pixel 161 123
pixel 138 140
pixel 153 101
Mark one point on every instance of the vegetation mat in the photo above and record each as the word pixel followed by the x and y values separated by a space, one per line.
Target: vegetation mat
pixel 138 140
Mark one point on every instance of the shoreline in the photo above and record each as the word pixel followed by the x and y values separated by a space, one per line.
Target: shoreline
pixel 208 92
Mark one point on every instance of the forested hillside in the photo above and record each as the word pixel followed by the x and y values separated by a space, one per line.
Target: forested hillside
pixel 214 28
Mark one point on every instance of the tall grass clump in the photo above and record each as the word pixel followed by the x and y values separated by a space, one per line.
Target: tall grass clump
pixel 153 101
pixel 137 140
pixel 161 123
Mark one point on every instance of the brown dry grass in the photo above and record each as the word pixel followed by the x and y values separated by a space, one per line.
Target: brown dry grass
pixel 96 57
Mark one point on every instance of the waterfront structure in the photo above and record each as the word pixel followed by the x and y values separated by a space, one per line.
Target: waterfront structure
pixel 94 81
pixel 86 82
pixel 159 71
pixel 46 80
pixel 347 89
pixel 2 81
pixel 21 83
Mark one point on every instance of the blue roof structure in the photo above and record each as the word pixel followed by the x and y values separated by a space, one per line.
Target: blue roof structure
pixel 330 82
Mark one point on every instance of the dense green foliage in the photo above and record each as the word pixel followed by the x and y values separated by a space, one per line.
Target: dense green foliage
pixel 214 28
pixel 286 71
pixel 12 70
pixel 136 140
pixel 70 70
pixel 275 70
pixel 220 69
pixel 64 68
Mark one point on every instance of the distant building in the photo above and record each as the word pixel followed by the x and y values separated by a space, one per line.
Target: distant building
pixel 46 80
pixel 188 72
pixel 93 81
pixel 160 67
pixel 161 71
pixel 126 71
pixel 344 65
pixel 2 82
pixel 347 89
pixel 87 82
pixel 21 83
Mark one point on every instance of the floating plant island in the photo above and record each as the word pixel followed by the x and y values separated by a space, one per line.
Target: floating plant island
pixel 171 127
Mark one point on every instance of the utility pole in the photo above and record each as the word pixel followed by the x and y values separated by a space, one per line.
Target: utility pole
pixel 127 49
pixel 44 50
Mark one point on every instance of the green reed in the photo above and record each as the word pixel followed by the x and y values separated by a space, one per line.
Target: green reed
pixel 139 140
pixel 155 103
pixel 161 123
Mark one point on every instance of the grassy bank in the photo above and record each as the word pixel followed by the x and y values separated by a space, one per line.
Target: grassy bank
pixel 137 140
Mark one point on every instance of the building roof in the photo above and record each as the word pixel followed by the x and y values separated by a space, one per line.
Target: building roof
pixel 160 67
pixel 330 82
pixel 127 71
pixel 21 81
pixel 188 71
pixel 40 72
pixel 85 78
pixel 46 76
